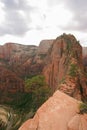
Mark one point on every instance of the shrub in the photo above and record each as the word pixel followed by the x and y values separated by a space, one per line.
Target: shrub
pixel 62 81
pixel 39 91
pixel 42 56
pixel 73 70
pixel 83 108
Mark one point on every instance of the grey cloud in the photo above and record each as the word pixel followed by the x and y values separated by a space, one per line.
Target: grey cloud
pixel 79 10
pixel 16 4
pixel 9 3
pixel 15 23
pixel 78 23
pixel 54 2
pixel 76 5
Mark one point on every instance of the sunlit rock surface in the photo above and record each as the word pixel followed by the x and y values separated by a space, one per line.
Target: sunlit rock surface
pixel 59 112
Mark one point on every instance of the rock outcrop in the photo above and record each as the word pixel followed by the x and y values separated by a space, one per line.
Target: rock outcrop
pixel 45 46
pixel 59 112
pixel 64 69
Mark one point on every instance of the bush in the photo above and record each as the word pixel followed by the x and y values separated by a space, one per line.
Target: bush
pixel 83 108
pixel 73 70
pixel 26 103
pixel 2 125
pixel 38 89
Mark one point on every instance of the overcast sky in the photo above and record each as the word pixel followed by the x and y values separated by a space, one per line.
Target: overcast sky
pixel 30 21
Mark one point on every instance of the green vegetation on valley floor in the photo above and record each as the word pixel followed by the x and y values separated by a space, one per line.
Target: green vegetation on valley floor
pixel 24 105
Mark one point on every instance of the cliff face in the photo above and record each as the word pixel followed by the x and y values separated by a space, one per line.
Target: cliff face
pixel 64 69
pixel 12 58
pixel 10 84
pixel 24 60
pixel 11 51
pixel 60 112
pixel 18 62
pixel 85 58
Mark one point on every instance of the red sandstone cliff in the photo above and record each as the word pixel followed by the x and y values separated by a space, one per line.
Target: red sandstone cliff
pixel 63 67
pixel 59 112
pixel 18 62
pixel 10 84
pixel 85 58
pixel 24 60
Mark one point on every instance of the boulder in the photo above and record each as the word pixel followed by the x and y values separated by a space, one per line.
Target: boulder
pixel 59 112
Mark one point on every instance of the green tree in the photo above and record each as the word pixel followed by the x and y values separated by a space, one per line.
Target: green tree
pixel 38 89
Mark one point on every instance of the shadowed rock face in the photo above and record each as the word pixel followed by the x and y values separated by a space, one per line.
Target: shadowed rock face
pixel 85 58
pixel 10 84
pixel 12 57
pixel 59 112
pixel 9 81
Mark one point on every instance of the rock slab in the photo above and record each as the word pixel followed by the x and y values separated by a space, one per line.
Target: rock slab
pixel 59 112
